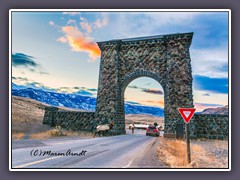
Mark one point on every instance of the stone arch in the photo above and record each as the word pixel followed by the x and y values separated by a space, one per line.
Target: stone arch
pixel 165 58
pixel 140 73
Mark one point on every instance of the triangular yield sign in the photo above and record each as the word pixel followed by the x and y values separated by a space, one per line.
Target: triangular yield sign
pixel 186 113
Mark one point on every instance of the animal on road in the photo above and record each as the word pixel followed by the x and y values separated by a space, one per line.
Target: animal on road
pixel 104 128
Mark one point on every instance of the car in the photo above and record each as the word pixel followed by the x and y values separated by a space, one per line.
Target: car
pixel 152 130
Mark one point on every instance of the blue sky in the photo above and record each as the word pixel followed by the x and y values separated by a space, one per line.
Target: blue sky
pixel 58 50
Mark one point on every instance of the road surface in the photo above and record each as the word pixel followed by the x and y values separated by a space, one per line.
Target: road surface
pixel 125 151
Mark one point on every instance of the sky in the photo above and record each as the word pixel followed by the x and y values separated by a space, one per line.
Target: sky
pixel 58 50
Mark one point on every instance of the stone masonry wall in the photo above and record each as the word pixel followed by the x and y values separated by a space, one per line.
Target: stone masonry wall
pixel 211 126
pixel 70 120
pixel 207 126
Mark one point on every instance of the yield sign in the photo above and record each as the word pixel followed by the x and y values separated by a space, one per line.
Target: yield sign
pixel 186 113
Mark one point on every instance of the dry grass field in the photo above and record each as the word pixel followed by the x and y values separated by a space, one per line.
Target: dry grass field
pixel 204 154
pixel 27 116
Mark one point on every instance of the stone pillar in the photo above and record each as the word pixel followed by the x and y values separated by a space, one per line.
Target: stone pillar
pixel 108 88
pixel 179 81
pixel 119 105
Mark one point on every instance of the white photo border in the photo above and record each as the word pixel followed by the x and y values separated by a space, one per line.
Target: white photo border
pixel 119 10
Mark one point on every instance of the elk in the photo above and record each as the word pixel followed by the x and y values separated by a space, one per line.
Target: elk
pixel 103 128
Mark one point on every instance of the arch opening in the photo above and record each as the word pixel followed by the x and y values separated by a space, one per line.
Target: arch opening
pixel 143 99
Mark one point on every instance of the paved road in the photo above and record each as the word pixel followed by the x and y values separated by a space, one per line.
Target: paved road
pixel 125 151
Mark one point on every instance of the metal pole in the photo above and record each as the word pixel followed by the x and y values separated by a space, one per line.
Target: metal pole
pixel 188 144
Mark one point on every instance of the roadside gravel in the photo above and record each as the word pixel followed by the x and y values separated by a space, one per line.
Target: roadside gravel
pixel 214 154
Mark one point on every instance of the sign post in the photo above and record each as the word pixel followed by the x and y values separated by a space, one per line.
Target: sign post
pixel 187 114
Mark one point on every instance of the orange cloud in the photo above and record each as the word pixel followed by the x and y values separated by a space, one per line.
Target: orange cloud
pixel 80 42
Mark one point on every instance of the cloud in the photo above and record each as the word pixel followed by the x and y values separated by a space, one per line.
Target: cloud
pixel 77 90
pixel 51 23
pixel 35 84
pixel 79 39
pixel 72 21
pixel 62 39
pixel 147 84
pixel 137 24
pixel 23 60
pixel 211 62
pixel 20 59
pixel 71 13
pixel 100 23
pixel 71 90
pixel 28 82
pixel 92 89
pixel 215 85
pixel 152 91
pixel 223 68
pixel 80 42
pixel 85 25
pixel 206 94
pixel 20 79
pixel 171 18
pixel 134 87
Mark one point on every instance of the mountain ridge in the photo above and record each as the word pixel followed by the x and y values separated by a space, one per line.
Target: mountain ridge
pixel 219 110
pixel 77 101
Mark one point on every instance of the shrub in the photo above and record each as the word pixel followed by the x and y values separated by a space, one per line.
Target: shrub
pixel 56 132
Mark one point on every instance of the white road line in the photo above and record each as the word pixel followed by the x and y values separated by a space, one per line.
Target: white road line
pixel 128 165
pixel 36 162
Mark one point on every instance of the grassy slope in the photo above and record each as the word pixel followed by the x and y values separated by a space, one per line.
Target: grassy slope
pixel 27 115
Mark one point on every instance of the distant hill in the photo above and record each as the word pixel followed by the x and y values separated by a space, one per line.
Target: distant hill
pixel 77 101
pixel 142 119
pixel 219 110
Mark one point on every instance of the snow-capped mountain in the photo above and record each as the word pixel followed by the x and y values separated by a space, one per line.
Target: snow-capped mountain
pixel 77 101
